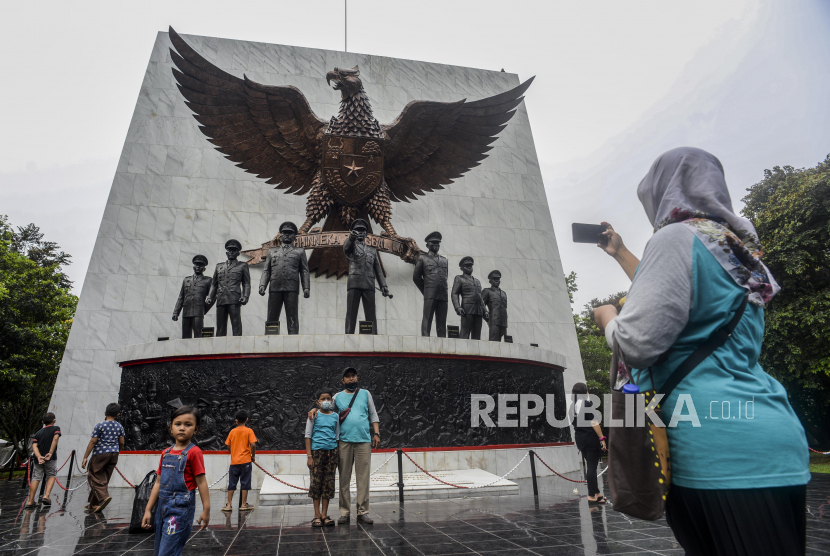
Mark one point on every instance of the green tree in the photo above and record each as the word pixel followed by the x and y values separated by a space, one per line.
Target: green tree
pixel 791 211
pixel 36 309
pixel 594 350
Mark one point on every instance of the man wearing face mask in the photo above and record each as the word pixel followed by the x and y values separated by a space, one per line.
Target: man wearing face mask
pixel 355 444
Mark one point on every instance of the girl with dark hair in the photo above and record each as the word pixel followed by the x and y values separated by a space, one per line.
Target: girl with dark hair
pixel 589 439
pixel 181 470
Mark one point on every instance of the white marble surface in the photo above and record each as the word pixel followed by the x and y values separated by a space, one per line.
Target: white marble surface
pixel 174 196
pixel 335 343
pixel 564 459
pixel 383 487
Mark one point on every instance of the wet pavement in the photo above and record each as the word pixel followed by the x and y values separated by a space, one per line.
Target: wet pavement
pixel 561 522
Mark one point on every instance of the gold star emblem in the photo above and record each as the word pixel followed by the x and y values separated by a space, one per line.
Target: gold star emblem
pixel 353 168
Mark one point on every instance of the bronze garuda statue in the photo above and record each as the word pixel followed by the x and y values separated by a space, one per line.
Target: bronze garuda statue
pixel 352 166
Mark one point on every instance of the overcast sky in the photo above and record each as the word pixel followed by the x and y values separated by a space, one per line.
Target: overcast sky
pixel 618 83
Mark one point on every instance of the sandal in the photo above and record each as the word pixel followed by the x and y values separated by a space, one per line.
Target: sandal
pixel 600 500
pixel 316 522
pixel 227 508
pixel 246 508
pixel 327 521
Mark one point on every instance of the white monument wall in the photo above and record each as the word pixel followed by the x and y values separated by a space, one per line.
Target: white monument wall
pixel 174 196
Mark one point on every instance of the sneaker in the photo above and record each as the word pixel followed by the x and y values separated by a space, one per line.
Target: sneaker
pixel 365 519
pixel 344 520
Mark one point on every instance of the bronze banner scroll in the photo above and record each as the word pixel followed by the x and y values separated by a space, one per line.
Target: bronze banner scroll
pixel 402 247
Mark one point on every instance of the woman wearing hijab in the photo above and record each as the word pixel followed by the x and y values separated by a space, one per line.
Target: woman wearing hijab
pixel 739 474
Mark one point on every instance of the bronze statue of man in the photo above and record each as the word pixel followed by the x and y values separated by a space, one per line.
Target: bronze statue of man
pixel 228 279
pixel 285 267
pixel 431 273
pixel 496 302
pixel 364 269
pixel 466 299
pixel 192 297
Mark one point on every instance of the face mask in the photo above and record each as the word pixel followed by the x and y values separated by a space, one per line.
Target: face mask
pixel 326 405
pixel 351 386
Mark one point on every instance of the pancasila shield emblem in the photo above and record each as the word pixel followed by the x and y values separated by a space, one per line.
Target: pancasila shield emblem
pixel 352 167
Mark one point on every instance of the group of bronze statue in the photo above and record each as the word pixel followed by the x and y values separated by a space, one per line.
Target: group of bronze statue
pixel 286 269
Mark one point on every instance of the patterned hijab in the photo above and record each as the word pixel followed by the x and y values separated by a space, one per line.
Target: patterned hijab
pixel 687 185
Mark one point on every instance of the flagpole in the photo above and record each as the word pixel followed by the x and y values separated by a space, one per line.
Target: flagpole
pixel 346 25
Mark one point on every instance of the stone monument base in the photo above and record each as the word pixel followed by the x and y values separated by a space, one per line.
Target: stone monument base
pixel 423 389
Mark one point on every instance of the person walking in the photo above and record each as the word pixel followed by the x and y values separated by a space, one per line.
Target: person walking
pixel 589 440
pixel 44 450
pixel 105 445
pixel 699 269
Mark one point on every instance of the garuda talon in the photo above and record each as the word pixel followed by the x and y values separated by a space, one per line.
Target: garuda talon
pixel 352 166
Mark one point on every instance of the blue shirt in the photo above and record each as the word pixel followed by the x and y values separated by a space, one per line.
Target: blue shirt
pixel 355 428
pixel 749 436
pixel 107 434
pixel 323 431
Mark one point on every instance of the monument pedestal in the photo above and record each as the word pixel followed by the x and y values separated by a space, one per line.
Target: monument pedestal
pixel 421 386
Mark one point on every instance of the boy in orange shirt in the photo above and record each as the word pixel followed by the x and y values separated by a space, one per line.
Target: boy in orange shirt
pixel 242 442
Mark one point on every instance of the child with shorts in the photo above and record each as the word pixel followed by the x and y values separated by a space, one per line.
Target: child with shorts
pixel 321 435
pixel 242 442
pixel 44 449
pixel 181 471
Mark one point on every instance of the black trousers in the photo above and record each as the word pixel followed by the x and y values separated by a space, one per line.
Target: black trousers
pixel 192 327
pixel 437 308
pixel 497 332
pixel 736 522
pixel 471 327
pixel 291 300
pixel 591 457
pixel 353 299
pixel 222 314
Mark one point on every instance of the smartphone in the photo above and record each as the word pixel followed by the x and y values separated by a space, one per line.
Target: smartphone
pixel 589 233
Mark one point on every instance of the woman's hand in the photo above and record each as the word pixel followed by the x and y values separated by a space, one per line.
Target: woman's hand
pixel 83 464
pixel 310 462
pixel 603 315
pixel 603 445
pixel 145 521
pixel 204 519
pixel 312 414
pixel 615 244
pixel 617 249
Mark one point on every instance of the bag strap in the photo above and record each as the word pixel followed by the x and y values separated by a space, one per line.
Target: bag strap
pixel 351 403
pixel 706 349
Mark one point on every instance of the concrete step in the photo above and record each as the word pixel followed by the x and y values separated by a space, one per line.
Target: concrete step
pixel 384 487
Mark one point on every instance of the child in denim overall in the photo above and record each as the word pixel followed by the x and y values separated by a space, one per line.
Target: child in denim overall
pixel 173 491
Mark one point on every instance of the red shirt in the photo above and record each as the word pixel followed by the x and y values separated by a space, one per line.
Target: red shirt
pixel 194 467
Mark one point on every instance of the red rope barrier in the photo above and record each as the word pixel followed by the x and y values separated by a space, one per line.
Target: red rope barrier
pixel 817 452
pixel 552 469
pixel 64 463
pixel 123 477
pixel 430 474
pixel 280 480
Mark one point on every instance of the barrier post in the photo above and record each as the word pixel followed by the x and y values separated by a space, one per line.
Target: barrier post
pixel 400 476
pixel 533 473
pixel 12 465
pixel 71 463
pixel 25 484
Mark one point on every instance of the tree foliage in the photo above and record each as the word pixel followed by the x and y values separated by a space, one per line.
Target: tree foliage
pixel 594 350
pixel 791 211
pixel 36 309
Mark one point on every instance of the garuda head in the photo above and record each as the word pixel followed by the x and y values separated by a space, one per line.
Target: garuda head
pixel 347 81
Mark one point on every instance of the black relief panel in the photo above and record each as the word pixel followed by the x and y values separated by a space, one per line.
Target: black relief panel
pixel 421 402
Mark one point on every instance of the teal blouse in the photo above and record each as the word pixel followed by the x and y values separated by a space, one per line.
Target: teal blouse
pixel 748 435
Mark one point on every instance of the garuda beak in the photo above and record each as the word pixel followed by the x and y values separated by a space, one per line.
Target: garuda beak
pixel 333 76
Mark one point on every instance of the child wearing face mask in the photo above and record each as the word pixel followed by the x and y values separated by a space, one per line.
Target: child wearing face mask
pixel 321 435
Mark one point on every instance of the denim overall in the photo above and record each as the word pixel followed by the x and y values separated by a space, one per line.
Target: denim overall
pixel 176 505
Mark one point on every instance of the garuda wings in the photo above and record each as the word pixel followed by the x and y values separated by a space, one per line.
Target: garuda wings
pixel 351 166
